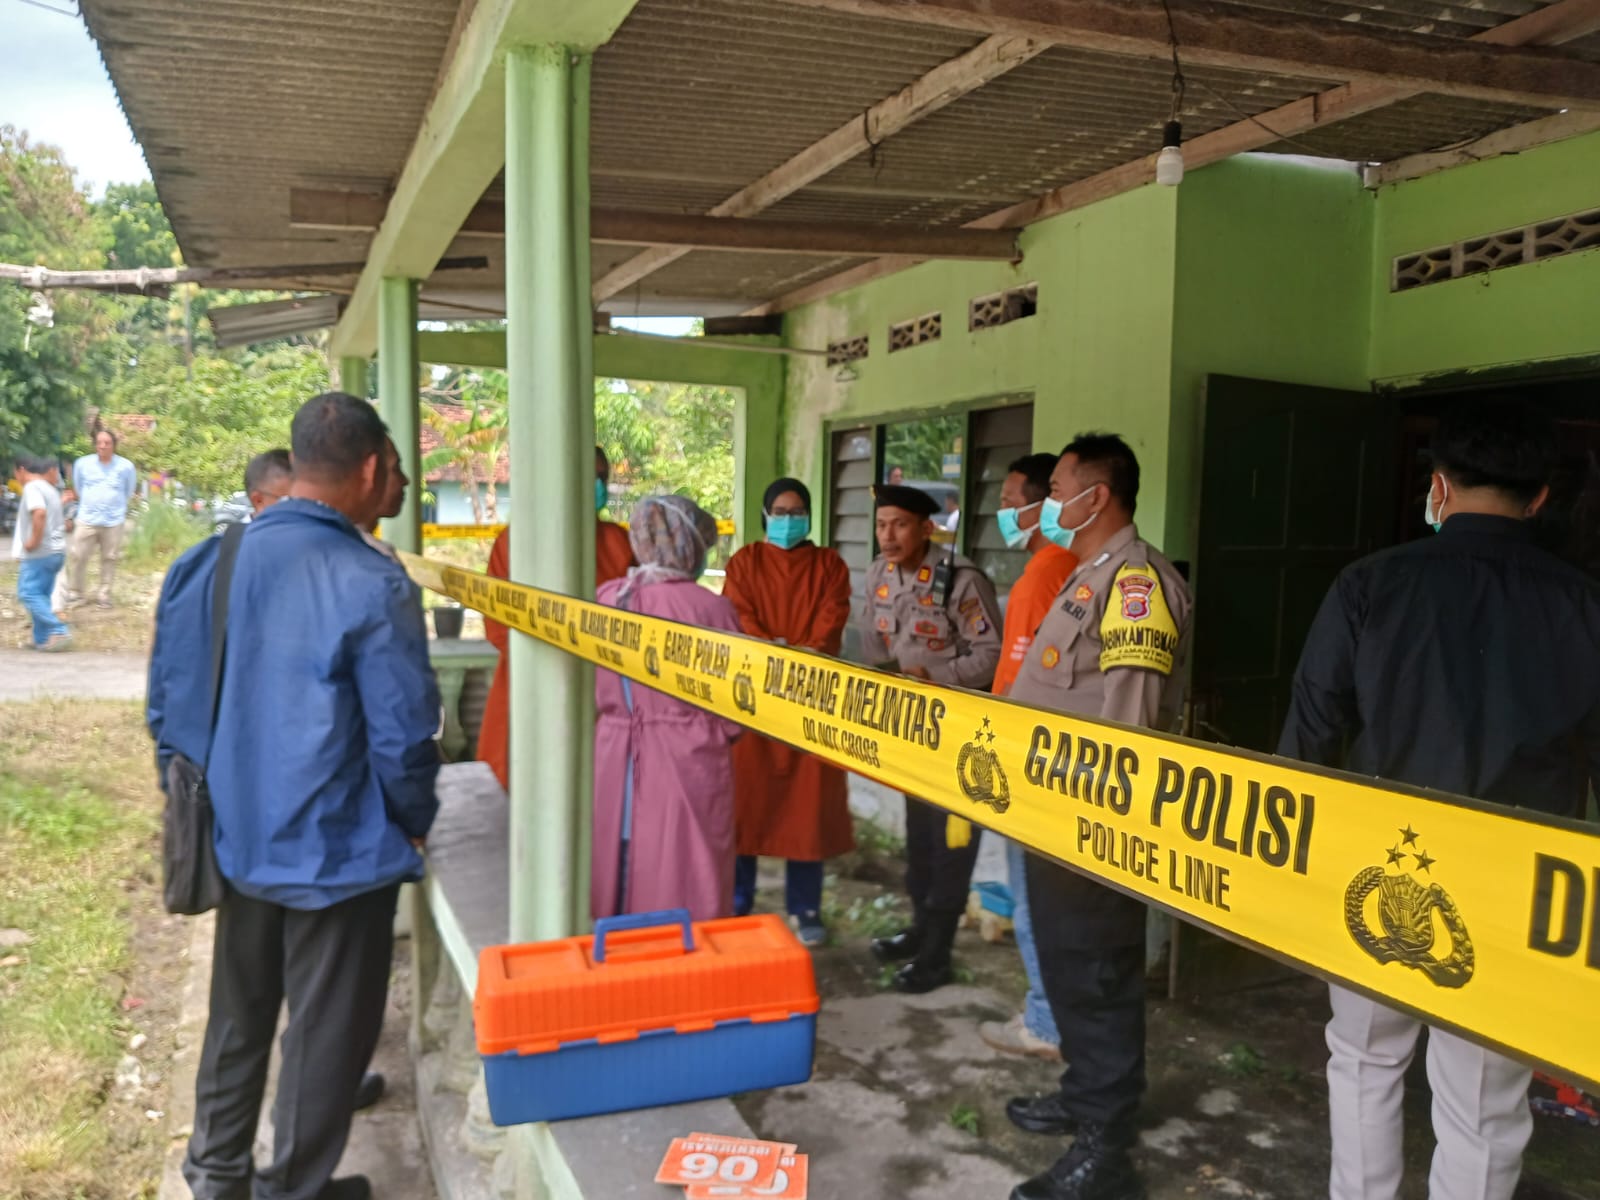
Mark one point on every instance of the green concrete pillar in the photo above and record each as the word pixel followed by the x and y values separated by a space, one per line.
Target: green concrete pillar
pixel 552 469
pixel 585 394
pixel 398 373
pixel 354 375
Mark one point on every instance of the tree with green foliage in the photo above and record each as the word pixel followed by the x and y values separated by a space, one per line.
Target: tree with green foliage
pixel 668 437
pixel 467 413
pixel 46 370
pixel 211 421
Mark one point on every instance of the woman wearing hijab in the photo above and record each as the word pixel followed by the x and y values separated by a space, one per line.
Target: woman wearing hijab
pixel 790 805
pixel 663 769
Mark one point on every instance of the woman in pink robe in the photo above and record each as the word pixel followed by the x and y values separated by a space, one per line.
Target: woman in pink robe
pixel 663 769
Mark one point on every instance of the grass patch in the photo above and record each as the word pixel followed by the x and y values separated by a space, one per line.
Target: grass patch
pixel 78 823
pixel 159 535
pixel 965 1118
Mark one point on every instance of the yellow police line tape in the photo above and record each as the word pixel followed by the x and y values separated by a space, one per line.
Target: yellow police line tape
pixel 1460 912
pixel 433 532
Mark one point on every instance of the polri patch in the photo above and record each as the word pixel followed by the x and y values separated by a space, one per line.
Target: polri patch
pixel 926 628
pixel 925 574
pixel 1050 658
pixel 1084 592
pixel 1135 589
pixel 937 644
pixel 925 601
pixel 883 591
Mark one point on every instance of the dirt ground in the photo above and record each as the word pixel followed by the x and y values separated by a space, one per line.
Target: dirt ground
pixel 1237 1102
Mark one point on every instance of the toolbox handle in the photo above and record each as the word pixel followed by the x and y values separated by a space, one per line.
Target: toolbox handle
pixel 649 920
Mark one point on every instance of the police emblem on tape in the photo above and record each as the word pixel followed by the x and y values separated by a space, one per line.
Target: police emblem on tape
pixel 744 690
pixel 652 661
pixel 1405 913
pixel 978 771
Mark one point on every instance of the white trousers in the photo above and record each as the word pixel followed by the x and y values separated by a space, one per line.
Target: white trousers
pixel 1481 1118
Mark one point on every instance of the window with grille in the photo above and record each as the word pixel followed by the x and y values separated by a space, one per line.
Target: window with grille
pixel 848 351
pixel 915 332
pixel 986 439
pixel 1495 251
pixel 1001 308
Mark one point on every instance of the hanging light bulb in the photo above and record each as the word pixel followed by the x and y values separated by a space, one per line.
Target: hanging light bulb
pixel 1169 163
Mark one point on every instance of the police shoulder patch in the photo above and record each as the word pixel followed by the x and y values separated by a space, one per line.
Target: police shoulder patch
pixel 1138 630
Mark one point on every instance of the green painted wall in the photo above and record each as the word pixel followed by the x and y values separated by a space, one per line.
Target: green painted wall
pixel 756 418
pixel 1097 355
pixel 1540 311
pixel 1273 282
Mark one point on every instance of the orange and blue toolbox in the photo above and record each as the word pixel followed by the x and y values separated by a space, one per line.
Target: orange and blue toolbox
pixel 652 1009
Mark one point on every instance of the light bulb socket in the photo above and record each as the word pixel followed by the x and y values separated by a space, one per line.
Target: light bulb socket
pixel 1172 134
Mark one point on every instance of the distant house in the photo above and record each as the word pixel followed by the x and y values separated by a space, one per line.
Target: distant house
pixel 452 504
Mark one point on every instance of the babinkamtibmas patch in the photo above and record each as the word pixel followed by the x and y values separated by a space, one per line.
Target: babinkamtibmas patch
pixel 1137 629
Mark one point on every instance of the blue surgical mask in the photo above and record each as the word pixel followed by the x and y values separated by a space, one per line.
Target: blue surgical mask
pixel 600 496
pixel 788 530
pixel 1015 535
pixel 1435 516
pixel 1050 520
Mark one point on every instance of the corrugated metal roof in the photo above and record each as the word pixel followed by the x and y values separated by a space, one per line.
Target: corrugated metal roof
pixel 237 101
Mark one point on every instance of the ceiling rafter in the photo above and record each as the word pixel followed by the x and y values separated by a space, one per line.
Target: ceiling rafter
pixel 1565 21
pixel 1223 34
pixel 946 83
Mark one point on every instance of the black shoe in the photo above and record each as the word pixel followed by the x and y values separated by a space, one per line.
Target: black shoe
pixel 1091 1170
pixel 899 946
pixel 917 977
pixel 369 1092
pixel 351 1187
pixel 1041 1114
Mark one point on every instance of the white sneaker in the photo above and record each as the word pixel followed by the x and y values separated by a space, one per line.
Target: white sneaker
pixel 1013 1037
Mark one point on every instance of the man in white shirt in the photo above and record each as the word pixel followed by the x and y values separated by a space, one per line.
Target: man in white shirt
pixel 39 544
pixel 105 483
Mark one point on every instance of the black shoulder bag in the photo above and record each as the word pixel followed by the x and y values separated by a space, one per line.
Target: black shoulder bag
pixel 192 882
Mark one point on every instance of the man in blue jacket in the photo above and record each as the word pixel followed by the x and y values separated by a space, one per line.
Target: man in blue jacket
pixel 322 777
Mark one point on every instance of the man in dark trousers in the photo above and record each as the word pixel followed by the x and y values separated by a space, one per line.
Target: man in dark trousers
pixel 1111 647
pixel 1468 662
pixel 930 615
pixel 322 778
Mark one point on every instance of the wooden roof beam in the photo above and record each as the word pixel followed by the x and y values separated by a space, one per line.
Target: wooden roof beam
pixel 947 82
pixel 1564 21
pixel 1223 34
pixel 1514 140
pixel 313 209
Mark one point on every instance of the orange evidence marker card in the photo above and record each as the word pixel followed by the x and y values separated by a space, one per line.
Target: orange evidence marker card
pixel 789 1184
pixel 714 1159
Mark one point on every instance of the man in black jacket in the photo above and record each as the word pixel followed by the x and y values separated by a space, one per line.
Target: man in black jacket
pixel 1468 662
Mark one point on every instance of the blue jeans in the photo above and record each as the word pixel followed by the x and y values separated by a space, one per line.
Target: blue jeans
pixel 36 579
pixel 1036 1007
pixel 802 886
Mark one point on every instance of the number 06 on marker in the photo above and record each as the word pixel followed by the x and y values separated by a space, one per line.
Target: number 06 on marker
pixel 790 1183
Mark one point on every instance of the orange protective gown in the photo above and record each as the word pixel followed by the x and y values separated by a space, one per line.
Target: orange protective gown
pixel 613 556
pixel 788 804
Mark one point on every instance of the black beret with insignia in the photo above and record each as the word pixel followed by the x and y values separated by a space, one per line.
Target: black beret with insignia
pixel 912 500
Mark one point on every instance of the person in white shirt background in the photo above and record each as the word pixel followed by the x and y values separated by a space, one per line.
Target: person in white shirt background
pixel 105 483
pixel 39 544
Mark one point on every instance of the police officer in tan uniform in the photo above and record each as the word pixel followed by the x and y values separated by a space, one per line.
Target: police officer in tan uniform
pixel 932 615
pixel 1112 647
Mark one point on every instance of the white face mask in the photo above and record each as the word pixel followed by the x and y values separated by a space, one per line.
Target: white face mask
pixel 1435 516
